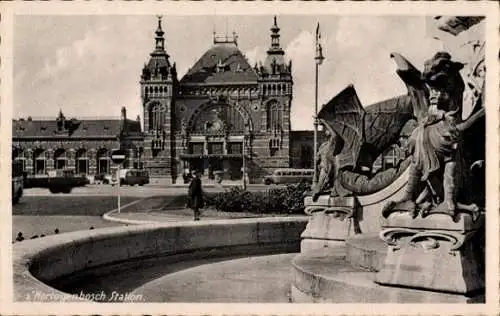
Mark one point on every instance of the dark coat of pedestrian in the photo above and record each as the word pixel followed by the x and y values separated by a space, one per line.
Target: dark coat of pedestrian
pixel 195 195
pixel 19 237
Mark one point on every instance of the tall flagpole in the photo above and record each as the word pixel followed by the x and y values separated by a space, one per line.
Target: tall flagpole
pixel 315 127
pixel 318 60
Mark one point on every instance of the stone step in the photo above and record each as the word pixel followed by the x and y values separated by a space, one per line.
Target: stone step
pixel 324 276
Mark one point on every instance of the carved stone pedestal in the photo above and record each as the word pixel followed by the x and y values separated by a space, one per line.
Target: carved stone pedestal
pixel 434 253
pixel 332 221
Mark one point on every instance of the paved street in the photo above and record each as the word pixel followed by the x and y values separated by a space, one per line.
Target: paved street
pixel 136 191
pixel 41 212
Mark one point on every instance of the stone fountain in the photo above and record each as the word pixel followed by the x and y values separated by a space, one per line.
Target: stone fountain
pixel 414 232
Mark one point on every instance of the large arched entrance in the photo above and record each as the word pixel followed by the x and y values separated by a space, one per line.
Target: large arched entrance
pixel 217 132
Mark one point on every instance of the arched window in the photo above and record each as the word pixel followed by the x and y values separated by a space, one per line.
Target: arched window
pixel 82 161
pixel 156 117
pixel 60 158
pixel 273 116
pixel 39 161
pixel 218 119
pixel 18 154
pixel 102 158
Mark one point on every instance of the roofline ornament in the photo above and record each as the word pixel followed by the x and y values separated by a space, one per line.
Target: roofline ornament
pixel 225 39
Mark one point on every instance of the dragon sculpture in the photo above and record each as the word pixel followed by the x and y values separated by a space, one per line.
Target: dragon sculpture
pixel 358 135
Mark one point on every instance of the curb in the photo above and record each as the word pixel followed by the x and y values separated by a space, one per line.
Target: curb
pixel 207 185
pixel 108 216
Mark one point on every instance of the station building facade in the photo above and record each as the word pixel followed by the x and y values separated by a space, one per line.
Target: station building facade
pixel 84 146
pixel 222 115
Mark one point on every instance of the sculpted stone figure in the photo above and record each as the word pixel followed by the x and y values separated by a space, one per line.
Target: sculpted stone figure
pixel 327 165
pixel 434 100
pixel 437 169
pixel 361 134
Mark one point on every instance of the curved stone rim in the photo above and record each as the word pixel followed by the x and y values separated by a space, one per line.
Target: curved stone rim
pixel 385 193
pixel 44 259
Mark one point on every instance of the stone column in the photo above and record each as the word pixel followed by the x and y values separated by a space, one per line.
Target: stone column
pixel 29 161
pixel 333 219
pixel 131 158
pixel 70 158
pixel 49 160
pixel 205 146
pixel 92 162
pixel 225 146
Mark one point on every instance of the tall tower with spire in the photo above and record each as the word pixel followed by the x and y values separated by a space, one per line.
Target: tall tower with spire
pixel 275 88
pixel 158 90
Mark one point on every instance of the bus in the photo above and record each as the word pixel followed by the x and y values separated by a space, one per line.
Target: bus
pixel 17 181
pixel 132 177
pixel 289 175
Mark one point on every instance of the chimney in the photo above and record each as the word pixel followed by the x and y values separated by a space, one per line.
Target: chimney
pixel 124 113
pixel 123 123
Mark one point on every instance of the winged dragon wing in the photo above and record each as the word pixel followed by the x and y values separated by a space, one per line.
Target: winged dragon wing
pixel 345 115
pixel 412 77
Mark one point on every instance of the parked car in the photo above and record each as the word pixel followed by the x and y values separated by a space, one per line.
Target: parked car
pixel 36 181
pixel 134 176
pixel 282 176
pixel 82 180
pixel 62 181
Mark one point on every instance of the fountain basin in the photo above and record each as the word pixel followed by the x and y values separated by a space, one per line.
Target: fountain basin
pixel 38 262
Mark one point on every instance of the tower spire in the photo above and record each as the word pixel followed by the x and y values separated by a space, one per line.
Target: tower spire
pixel 160 41
pixel 275 36
pixel 275 48
pixel 275 61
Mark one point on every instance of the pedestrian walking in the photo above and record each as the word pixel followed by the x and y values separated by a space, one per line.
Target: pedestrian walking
pixel 195 195
pixel 19 237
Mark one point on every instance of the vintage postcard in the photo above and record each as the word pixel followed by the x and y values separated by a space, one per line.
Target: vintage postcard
pixel 288 158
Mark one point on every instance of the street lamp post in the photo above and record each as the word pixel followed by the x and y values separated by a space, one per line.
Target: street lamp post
pixel 246 141
pixel 318 61
pixel 244 163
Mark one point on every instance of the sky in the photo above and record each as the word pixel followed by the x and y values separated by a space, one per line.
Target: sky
pixel 90 66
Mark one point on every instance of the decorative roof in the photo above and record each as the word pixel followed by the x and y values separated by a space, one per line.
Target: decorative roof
pixel 158 66
pixel 275 55
pixel 222 64
pixel 73 128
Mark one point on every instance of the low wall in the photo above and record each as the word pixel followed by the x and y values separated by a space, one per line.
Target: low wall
pixel 37 262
